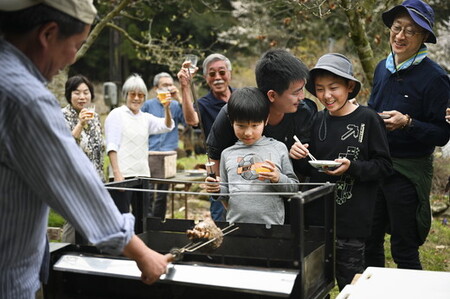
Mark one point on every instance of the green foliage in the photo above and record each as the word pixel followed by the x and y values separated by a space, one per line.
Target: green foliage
pixel 190 162
pixel 55 220
pixel 156 35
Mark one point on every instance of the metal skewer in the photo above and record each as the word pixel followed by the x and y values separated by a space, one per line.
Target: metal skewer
pixel 309 154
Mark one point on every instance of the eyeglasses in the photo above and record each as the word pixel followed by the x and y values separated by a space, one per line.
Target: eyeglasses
pixel 408 32
pixel 221 73
pixel 133 94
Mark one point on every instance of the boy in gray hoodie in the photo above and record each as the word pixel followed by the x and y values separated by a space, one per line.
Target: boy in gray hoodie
pixel 255 164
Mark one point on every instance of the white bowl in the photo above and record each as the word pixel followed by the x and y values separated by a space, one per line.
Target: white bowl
pixel 324 164
pixel 196 172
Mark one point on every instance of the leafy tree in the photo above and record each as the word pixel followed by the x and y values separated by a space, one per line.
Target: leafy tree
pixel 147 37
pixel 155 35
pixel 311 28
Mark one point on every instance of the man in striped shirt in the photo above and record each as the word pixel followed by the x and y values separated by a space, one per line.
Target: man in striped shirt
pixel 41 166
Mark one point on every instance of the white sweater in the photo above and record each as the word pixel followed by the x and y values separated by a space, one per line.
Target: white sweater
pixel 127 134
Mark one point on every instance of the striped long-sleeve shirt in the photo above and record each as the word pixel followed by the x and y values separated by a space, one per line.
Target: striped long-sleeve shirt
pixel 41 166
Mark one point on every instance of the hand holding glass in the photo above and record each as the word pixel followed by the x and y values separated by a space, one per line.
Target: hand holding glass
pixel 193 59
pixel 90 111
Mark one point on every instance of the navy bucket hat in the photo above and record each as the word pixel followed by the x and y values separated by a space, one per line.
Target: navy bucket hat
pixel 420 12
pixel 337 64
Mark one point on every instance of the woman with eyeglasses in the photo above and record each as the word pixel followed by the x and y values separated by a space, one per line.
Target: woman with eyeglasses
pixel 411 91
pixel 127 129
pixel 86 129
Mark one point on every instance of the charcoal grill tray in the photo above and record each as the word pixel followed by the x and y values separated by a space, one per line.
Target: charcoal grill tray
pixel 263 281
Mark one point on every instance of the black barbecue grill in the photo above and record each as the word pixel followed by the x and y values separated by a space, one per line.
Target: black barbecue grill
pixel 254 261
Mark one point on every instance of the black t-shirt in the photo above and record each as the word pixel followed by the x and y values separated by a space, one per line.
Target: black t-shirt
pixel 360 137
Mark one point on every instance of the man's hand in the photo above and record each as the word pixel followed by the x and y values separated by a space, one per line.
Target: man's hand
pixel 175 94
pixel 153 266
pixel 184 76
pixel 151 263
pixel 395 120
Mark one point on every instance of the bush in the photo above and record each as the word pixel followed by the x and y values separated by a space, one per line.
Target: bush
pixel 55 220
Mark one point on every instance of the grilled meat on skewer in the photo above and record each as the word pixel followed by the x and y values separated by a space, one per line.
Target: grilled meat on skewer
pixel 204 231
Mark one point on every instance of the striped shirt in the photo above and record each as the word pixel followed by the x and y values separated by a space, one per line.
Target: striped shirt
pixel 41 166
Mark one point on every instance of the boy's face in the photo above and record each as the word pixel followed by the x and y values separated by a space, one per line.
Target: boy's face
pixel 288 101
pixel 332 92
pixel 248 132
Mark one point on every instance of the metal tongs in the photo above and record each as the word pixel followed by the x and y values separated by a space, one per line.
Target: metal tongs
pixel 193 246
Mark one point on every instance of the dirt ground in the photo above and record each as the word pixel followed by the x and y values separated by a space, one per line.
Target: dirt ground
pixel 197 209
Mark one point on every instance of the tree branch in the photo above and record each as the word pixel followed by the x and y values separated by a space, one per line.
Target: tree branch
pixel 99 27
pixel 356 20
pixel 127 36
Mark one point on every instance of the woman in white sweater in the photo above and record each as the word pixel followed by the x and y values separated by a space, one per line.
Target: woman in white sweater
pixel 127 129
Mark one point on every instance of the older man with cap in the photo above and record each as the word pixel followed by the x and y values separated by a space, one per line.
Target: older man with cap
pixel 412 93
pixel 40 162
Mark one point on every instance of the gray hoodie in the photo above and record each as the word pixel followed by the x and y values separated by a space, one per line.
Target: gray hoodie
pixel 239 164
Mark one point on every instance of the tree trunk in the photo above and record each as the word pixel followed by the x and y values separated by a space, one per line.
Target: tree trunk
pixel 56 86
pixel 356 16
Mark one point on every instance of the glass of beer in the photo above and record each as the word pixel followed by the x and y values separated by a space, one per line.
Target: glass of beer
pixel 163 95
pixel 90 111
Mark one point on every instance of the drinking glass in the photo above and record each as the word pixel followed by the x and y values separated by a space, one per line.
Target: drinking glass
pixel 91 111
pixel 193 59
pixel 163 95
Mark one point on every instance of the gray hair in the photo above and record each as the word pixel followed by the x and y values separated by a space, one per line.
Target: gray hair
pixel 134 82
pixel 159 76
pixel 215 57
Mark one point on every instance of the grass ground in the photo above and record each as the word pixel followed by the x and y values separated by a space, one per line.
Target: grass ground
pixel 434 254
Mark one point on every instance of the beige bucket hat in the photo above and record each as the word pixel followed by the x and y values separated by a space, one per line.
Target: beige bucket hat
pixel 83 10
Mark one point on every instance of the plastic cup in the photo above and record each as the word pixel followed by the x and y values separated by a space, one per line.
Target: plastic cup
pixel 259 167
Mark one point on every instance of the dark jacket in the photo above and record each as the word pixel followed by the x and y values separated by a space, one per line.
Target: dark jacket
pixel 422 91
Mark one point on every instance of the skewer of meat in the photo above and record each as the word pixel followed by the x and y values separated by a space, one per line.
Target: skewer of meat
pixel 204 231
